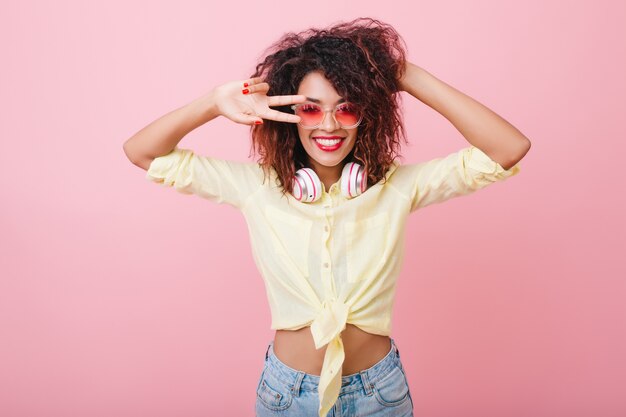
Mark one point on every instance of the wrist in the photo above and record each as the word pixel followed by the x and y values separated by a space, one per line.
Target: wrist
pixel 409 71
pixel 207 106
pixel 413 79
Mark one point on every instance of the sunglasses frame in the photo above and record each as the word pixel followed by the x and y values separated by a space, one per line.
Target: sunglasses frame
pixel 334 111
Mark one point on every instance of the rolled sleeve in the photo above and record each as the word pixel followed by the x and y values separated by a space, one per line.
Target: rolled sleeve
pixel 218 180
pixel 459 173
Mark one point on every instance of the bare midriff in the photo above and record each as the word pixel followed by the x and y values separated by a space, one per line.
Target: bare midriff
pixel 296 349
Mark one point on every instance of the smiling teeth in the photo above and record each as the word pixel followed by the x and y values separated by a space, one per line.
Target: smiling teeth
pixel 328 142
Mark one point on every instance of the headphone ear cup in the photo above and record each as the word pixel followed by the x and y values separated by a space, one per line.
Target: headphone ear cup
pixel 307 186
pixel 353 180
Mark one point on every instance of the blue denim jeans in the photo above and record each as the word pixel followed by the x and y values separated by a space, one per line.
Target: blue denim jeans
pixel 381 390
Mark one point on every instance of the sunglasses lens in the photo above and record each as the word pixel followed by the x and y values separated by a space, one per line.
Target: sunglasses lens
pixel 312 114
pixel 347 115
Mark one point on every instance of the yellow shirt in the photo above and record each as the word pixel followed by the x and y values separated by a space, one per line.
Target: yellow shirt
pixel 334 261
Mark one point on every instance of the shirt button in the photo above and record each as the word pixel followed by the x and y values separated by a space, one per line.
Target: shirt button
pixel 325 264
pixel 326 228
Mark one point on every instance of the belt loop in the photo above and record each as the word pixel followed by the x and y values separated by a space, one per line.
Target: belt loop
pixel 366 382
pixel 267 350
pixel 295 390
pixel 395 348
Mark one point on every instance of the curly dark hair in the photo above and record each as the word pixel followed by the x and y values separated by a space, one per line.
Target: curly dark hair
pixel 364 60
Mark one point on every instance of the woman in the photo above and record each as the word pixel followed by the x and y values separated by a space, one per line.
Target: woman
pixel 327 230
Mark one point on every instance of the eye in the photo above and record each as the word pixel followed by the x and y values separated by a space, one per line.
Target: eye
pixel 309 108
pixel 347 108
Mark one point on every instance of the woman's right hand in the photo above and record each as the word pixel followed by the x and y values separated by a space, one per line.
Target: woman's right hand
pixel 254 106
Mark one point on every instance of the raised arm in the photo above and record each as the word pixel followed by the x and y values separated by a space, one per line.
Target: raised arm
pixel 480 126
pixel 242 101
pixel 161 136
pixel 154 148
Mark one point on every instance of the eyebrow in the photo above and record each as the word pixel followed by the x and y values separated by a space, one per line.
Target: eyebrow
pixel 315 100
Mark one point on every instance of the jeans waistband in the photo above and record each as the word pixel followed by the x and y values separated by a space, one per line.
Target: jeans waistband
pixel 300 380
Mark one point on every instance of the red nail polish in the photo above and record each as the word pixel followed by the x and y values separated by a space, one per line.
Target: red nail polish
pixel 245 91
pixel 245 84
pixel 258 122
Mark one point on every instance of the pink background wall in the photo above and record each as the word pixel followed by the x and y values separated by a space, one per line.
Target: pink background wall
pixel 117 296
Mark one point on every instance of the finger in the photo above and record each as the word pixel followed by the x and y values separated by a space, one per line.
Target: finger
pixel 251 81
pixel 281 116
pixel 247 119
pixel 284 100
pixel 262 87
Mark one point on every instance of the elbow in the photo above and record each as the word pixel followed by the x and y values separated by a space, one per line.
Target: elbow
pixel 524 148
pixel 127 151
pixel 135 159
pixel 520 153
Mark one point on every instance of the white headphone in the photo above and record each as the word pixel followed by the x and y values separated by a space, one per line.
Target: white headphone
pixel 308 187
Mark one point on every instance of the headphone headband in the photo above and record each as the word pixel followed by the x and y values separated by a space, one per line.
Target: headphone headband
pixel 308 187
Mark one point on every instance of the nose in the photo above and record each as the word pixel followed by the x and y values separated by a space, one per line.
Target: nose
pixel 329 123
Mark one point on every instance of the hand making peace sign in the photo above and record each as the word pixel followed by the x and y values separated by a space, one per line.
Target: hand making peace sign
pixel 253 106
